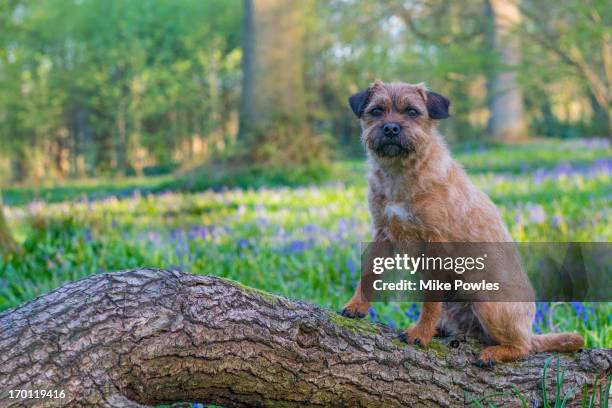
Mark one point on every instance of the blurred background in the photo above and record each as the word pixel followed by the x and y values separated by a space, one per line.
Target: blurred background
pixel 215 136
pixel 96 88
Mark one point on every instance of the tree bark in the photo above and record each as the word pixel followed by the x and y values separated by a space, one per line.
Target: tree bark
pixel 273 78
pixel 273 114
pixel 504 96
pixel 145 337
pixel 247 96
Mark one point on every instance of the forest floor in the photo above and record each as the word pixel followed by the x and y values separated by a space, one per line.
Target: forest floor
pixel 299 241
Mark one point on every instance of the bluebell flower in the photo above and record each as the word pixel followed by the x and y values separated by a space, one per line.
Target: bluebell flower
pixel 351 267
pixel 413 312
pixel 311 229
pixel 539 176
pixel 537 214
pixel 298 246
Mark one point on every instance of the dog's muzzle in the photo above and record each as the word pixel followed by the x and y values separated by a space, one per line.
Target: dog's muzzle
pixel 394 146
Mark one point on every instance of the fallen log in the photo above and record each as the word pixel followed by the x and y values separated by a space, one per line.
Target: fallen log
pixel 146 337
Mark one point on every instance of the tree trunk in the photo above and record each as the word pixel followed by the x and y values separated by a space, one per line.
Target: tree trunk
pixel 504 96
pixel 7 243
pixel 146 337
pixel 601 118
pixel 273 116
pixel 247 95
pixel 121 142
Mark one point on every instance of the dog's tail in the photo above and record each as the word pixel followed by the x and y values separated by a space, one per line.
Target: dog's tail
pixel 560 342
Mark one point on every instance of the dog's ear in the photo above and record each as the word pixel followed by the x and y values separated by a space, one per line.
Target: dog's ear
pixel 437 105
pixel 359 101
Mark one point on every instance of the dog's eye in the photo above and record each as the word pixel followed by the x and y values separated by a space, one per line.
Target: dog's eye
pixel 376 111
pixel 413 113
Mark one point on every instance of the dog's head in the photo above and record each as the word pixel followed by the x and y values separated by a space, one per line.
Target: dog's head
pixel 397 118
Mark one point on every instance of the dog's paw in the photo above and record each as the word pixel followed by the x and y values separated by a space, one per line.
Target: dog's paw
pixel 484 363
pixel 352 313
pixel 487 357
pixel 414 335
pixel 407 339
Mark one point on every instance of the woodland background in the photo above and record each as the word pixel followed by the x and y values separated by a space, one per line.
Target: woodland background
pixel 104 88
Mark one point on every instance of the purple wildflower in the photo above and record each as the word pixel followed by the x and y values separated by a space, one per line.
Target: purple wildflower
pixel 198 231
pixel 582 312
pixel 537 214
pixel 541 314
pixel 539 176
pixel 298 246
pixel 243 243
pixel 311 229
pixel 413 312
pixel 351 267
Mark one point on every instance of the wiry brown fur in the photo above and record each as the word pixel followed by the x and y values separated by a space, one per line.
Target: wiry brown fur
pixel 422 194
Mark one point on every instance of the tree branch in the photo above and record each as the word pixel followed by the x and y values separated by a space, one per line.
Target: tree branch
pixel 146 337
pixel 410 17
pixel 549 39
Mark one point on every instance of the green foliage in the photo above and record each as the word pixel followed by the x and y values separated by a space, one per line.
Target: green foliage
pixel 7 243
pixel 86 95
pixel 155 85
pixel 212 177
pixel 568 40
pixel 590 397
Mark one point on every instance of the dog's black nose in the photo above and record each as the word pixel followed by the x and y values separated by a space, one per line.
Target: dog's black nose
pixel 391 129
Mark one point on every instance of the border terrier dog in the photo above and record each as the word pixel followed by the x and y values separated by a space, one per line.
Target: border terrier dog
pixel 418 193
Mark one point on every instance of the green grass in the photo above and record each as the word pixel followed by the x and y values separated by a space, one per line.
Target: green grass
pixel 77 189
pixel 597 396
pixel 299 241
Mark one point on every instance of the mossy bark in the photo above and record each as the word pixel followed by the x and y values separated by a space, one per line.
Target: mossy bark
pixel 146 337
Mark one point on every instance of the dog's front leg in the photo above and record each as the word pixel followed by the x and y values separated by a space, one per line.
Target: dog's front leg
pixel 358 305
pixel 425 328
